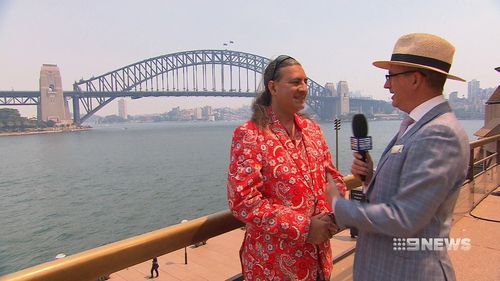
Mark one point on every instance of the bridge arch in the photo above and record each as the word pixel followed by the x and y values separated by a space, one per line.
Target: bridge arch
pixel 187 73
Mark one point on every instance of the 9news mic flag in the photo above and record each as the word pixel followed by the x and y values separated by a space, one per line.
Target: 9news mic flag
pixel 360 142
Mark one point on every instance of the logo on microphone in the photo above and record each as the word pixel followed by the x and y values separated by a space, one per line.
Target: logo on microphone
pixel 361 144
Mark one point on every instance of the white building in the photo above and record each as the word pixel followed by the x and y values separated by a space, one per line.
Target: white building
pixel 198 113
pixel 122 108
pixel 343 94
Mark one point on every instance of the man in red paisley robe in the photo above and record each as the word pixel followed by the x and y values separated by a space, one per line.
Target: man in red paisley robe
pixel 280 167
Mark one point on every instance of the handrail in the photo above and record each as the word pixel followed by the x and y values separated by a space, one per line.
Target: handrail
pixel 478 144
pixel 104 260
pixel 482 160
pixel 483 141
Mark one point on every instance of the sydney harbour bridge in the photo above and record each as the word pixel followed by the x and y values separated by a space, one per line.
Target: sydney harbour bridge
pixel 205 73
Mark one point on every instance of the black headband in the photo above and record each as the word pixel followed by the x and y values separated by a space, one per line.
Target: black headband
pixel 444 66
pixel 279 60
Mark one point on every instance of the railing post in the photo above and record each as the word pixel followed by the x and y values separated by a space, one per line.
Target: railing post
pixel 498 152
pixel 337 128
pixel 185 248
pixel 470 174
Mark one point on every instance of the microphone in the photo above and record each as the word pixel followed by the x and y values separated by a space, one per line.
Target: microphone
pixel 360 142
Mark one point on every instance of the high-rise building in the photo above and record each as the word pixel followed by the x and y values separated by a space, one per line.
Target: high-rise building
pixel 122 108
pixel 453 96
pixel 473 90
pixel 343 94
pixel 206 112
pixel 197 115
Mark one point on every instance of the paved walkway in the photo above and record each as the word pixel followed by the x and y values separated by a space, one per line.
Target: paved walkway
pixel 219 260
pixel 216 260
pixel 482 261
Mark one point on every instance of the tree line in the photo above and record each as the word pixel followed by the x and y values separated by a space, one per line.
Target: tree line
pixel 12 121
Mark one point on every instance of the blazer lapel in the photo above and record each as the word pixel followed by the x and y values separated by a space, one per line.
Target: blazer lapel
pixel 433 113
pixel 279 131
pixel 381 162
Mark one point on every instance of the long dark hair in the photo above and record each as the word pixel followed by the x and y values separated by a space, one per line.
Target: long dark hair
pixel 263 99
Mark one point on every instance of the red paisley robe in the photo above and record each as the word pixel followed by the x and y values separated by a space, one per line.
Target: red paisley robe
pixel 275 185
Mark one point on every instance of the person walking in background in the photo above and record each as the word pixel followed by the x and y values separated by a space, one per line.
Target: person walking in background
pixel 415 187
pixel 154 267
pixel 279 169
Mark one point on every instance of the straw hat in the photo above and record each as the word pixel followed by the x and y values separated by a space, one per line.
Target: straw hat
pixel 422 50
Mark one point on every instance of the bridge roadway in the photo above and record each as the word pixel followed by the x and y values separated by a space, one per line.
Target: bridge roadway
pixel 31 97
pixel 132 94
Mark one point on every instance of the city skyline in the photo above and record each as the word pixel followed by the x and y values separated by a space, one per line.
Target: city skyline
pixel 334 40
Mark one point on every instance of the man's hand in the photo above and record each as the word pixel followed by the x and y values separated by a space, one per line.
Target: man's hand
pixel 321 229
pixel 332 189
pixel 360 168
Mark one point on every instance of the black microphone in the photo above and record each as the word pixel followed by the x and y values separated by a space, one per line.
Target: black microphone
pixel 360 142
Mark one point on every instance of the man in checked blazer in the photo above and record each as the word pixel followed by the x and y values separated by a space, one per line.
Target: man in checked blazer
pixel 413 191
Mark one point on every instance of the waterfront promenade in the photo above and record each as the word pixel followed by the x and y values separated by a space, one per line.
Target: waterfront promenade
pixel 216 260
pixel 482 261
pixel 219 260
pixel 44 131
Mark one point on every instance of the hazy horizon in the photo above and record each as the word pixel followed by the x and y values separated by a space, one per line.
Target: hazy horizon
pixel 334 40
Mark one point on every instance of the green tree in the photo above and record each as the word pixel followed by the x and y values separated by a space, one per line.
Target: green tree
pixel 9 114
pixel 50 123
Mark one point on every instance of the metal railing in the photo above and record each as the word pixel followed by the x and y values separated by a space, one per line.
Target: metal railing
pixel 487 160
pixel 483 175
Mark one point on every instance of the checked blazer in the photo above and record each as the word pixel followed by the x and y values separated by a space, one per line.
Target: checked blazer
pixel 412 194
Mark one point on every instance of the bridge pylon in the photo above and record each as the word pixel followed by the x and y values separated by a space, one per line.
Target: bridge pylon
pixel 52 105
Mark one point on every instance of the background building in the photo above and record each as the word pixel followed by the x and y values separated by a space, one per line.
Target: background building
pixel 473 90
pixel 122 108
pixel 471 107
pixel 198 113
pixel 343 94
pixel 207 112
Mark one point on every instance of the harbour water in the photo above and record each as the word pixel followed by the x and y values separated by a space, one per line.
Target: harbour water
pixel 66 193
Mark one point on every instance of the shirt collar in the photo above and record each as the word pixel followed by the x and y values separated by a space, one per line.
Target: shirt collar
pixel 418 112
pixel 274 119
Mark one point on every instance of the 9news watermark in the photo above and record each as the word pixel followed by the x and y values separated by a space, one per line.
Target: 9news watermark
pixel 431 244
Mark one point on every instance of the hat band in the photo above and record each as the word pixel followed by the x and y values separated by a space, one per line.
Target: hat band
pixel 444 66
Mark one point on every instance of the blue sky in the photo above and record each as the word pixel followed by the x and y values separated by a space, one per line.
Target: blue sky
pixel 334 40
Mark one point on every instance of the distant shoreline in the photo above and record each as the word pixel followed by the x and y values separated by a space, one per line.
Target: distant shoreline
pixel 44 131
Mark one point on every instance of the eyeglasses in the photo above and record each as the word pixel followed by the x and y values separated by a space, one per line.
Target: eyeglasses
pixel 388 76
pixel 279 60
